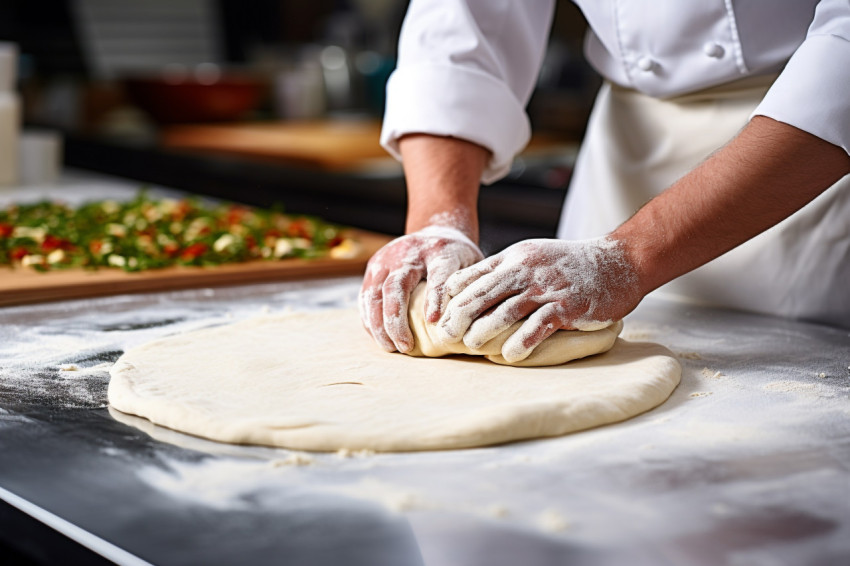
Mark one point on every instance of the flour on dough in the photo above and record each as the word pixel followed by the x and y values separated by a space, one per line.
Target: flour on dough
pixel 561 347
pixel 316 381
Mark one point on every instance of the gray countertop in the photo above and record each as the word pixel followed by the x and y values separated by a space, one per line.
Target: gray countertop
pixel 747 463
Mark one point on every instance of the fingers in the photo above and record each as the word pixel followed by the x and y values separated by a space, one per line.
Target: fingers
pixel 372 315
pixel 471 303
pixel 440 267
pixel 462 279
pixel 491 324
pixel 539 326
pixel 591 279
pixel 435 295
pixel 393 274
pixel 435 301
pixel 396 299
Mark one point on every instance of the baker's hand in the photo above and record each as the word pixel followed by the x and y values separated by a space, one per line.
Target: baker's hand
pixel 582 285
pixel 433 253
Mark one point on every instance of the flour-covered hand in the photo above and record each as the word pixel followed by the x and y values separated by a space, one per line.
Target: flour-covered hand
pixel 433 253
pixel 583 285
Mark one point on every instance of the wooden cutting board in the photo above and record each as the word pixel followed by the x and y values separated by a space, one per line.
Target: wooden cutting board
pixel 22 286
pixel 331 145
pixel 334 145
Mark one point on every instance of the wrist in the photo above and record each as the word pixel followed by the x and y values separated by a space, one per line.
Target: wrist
pixel 442 176
pixel 460 220
pixel 640 251
pixel 447 233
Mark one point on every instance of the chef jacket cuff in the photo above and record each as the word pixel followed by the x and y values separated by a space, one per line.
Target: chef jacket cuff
pixel 442 100
pixel 811 93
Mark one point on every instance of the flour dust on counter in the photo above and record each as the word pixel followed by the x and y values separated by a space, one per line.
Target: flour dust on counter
pixel 64 362
pixel 73 375
pixel 755 473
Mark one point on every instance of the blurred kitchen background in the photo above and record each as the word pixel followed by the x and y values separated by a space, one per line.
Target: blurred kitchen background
pixel 267 101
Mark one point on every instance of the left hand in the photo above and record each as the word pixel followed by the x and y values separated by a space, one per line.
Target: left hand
pixel 584 285
pixel 433 253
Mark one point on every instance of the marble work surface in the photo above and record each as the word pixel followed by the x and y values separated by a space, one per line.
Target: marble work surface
pixel 748 463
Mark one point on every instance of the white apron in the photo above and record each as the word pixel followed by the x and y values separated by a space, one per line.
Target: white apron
pixel 636 146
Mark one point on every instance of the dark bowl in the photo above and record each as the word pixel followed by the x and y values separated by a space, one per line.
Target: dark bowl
pixel 172 101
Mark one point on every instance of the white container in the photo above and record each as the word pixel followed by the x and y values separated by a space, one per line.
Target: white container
pixel 10 115
pixel 40 157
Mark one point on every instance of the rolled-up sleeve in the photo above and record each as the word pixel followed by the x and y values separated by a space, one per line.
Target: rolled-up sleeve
pixel 813 91
pixel 466 69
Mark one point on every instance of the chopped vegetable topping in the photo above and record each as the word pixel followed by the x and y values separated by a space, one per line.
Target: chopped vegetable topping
pixel 147 233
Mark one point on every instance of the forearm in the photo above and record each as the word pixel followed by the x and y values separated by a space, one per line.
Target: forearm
pixel 443 176
pixel 768 172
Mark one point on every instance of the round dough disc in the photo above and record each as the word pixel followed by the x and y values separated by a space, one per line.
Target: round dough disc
pixel 315 381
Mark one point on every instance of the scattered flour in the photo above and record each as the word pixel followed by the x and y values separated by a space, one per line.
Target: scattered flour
pixel 348 453
pixel 552 521
pixel 295 459
pixel 712 374
pixel 788 386
pixel 721 509
pixel 523 478
pixel 696 394
pixel 637 335
pixel 392 497
pixel 58 385
pixel 497 511
pixel 689 355
pixel 217 483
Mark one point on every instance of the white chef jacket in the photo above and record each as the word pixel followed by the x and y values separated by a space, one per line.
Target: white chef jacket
pixel 466 68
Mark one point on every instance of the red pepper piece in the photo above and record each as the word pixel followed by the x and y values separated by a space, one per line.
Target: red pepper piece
pixel 193 251
pixel 52 242
pixel 300 228
pixel 19 253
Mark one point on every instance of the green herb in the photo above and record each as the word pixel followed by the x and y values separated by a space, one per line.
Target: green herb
pixel 148 233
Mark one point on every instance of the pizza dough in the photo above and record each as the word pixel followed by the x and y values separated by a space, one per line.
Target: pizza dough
pixel 315 381
pixel 561 347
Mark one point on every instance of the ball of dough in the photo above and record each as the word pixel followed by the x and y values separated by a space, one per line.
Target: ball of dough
pixel 561 347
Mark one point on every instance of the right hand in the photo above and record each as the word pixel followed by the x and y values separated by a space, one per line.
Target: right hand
pixel 548 284
pixel 433 253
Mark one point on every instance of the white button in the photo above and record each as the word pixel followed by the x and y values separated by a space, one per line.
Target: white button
pixel 714 50
pixel 645 64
